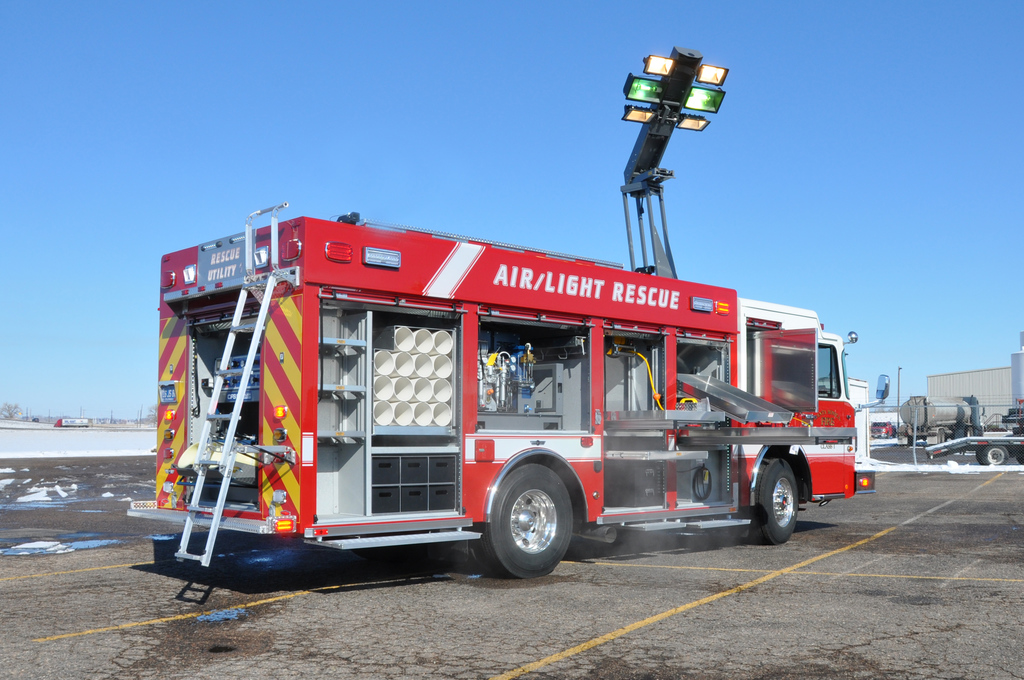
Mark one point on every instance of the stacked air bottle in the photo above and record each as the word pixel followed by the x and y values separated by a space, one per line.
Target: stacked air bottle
pixel 412 378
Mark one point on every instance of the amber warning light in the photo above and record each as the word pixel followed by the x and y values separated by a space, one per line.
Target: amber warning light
pixel 865 481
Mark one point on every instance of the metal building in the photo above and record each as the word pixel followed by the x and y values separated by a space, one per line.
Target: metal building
pixel 990 385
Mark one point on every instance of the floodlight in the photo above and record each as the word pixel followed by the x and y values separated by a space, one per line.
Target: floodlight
pixel 658 66
pixel 711 75
pixel 704 99
pixel 642 90
pixel 637 114
pixel 696 123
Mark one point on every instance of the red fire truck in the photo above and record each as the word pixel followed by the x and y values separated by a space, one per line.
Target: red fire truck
pixel 362 385
pixel 366 385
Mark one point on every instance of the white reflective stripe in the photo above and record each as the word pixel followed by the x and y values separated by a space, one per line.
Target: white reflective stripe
pixel 454 270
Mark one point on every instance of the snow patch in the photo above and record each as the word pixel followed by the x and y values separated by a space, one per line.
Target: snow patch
pixel 6 471
pixel 222 615
pixel 35 495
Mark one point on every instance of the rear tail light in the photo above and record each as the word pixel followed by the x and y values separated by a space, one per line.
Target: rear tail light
pixel 167 279
pixel 338 252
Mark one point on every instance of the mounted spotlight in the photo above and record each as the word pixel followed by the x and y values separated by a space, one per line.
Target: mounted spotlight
pixel 704 99
pixel 711 75
pixel 642 90
pixel 658 66
pixel 637 114
pixel 688 122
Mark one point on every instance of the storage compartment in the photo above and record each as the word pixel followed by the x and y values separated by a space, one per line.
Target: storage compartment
pixel 441 497
pixel 414 498
pixel 441 470
pixel 386 499
pixel 634 484
pixel 386 471
pixel 414 470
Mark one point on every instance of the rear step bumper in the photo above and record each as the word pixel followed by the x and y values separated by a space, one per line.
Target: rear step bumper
pixel 148 510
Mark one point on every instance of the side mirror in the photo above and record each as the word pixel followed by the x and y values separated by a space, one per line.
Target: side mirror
pixel 882 393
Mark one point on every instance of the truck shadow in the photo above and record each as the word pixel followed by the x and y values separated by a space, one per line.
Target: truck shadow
pixel 263 565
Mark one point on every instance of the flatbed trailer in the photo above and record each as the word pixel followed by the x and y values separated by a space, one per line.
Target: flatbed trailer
pixel 988 450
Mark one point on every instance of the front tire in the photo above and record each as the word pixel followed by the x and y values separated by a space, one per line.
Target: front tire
pixel 776 505
pixel 530 525
pixel 992 455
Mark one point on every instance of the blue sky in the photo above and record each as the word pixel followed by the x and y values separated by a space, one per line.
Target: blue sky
pixel 866 162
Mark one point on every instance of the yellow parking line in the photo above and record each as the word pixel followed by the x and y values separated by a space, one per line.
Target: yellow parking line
pixel 192 615
pixel 76 571
pixel 914 577
pixel 811 573
pixel 608 637
pixel 165 619
pixel 590 644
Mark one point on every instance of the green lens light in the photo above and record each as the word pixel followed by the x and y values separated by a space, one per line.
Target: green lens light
pixel 704 99
pixel 644 90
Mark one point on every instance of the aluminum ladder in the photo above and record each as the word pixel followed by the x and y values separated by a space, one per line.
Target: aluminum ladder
pixel 260 287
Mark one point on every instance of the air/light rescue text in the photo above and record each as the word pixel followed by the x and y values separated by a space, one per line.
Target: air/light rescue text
pixel 584 286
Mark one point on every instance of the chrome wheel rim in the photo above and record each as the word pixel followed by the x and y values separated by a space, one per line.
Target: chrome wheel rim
pixel 996 456
pixel 783 507
pixel 533 521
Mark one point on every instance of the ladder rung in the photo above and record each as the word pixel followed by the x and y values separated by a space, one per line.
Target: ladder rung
pixel 209 462
pixel 181 555
pixel 198 508
pixel 244 328
pixel 229 371
pixel 218 416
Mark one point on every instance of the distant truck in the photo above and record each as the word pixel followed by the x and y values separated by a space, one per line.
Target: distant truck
pixel 72 422
pixel 939 419
pixel 883 429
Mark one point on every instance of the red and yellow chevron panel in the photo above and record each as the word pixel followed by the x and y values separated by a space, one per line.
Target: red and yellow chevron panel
pixel 173 365
pixel 281 379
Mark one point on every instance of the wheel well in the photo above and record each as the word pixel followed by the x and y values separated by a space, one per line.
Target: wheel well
pixel 560 467
pixel 798 462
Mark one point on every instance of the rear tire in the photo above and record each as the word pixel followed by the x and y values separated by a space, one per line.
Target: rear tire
pixel 776 504
pixel 992 455
pixel 531 524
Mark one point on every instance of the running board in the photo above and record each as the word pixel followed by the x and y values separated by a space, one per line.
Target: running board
pixel 394 539
pixel 680 525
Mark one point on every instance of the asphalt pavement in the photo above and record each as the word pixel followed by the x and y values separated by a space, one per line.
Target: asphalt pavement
pixel 924 579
